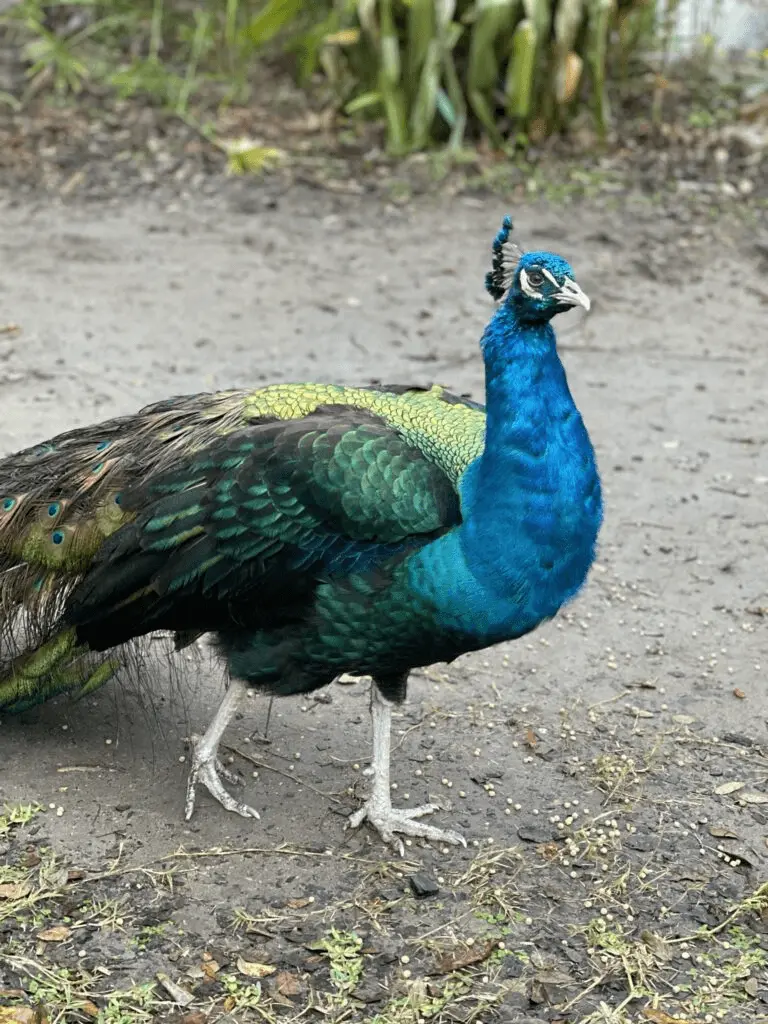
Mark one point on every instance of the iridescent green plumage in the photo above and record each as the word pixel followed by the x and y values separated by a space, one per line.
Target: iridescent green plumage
pixel 61 500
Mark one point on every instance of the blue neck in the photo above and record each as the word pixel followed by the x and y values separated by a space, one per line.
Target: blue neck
pixel 523 378
pixel 531 502
pixel 531 506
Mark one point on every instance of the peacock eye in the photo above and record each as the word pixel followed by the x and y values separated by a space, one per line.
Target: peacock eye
pixel 535 278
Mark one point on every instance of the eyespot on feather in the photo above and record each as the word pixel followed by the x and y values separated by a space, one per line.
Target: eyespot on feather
pixel 9 507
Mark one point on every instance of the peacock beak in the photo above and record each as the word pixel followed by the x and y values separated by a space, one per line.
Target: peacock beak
pixel 571 295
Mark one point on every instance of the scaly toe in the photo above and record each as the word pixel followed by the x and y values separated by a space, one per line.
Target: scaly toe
pixel 389 821
pixel 417 812
pixel 228 775
pixel 207 774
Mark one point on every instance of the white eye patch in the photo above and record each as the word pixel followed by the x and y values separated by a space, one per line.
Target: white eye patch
pixel 550 277
pixel 527 287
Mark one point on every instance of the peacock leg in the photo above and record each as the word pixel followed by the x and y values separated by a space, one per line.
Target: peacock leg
pixel 206 766
pixel 378 809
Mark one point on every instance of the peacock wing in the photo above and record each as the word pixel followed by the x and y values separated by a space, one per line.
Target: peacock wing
pixel 244 529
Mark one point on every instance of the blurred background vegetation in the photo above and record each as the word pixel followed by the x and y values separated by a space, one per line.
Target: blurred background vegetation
pixel 434 73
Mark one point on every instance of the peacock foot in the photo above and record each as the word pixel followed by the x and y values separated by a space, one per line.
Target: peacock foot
pixel 208 770
pixel 387 820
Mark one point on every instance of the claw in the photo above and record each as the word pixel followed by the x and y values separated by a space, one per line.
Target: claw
pixel 389 820
pixel 208 770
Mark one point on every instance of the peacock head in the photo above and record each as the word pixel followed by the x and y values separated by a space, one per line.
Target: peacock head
pixel 538 284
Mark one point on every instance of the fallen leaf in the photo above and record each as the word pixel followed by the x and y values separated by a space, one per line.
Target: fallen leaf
pixel 656 944
pixel 14 890
pixel 253 970
pixel 530 738
pixel 548 986
pixel 729 787
pixel 298 902
pixel 90 1009
pixel 739 693
pixel 287 984
pixel 179 995
pixel 58 933
pixel 21 1015
pixel 464 958
pixel 660 1017
pixel 721 832
pixel 210 967
pixel 193 1018
pixel 753 798
pixel 750 987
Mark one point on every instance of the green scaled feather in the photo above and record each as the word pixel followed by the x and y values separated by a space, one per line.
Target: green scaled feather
pixel 61 502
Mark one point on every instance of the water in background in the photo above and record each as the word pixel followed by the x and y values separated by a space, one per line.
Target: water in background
pixel 735 24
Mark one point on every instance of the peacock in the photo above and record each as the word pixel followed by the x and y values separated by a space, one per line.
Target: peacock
pixel 312 530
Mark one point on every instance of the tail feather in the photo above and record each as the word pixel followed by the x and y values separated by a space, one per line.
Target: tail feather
pixel 62 665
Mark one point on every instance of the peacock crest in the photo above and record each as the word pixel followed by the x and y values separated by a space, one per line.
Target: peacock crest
pixel 506 256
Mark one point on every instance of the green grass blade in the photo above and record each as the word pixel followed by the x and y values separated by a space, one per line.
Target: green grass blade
pixel 363 102
pixel 451 102
pixel 425 104
pixel 389 81
pixel 598 28
pixel 276 16
pixel 492 21
pixel 420 34
pixel 521 70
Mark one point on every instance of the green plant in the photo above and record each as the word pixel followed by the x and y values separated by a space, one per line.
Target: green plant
pixel 433 71
pixel 425 63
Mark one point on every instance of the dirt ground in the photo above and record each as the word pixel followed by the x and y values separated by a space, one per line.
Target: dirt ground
pixel 610 771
